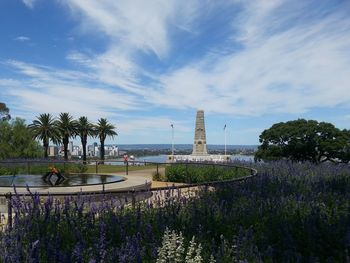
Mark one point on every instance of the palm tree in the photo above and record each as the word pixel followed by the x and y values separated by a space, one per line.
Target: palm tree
pixel 44 129
pixel 103 130
pixel 85 129
pixel 67 128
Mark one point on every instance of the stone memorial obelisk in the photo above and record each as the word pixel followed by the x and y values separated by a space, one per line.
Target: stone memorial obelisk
pixel 200 142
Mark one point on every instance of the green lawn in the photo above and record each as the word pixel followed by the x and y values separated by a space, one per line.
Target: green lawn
pixel 118 168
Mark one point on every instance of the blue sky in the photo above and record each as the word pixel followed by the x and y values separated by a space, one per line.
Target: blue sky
pixel 147 64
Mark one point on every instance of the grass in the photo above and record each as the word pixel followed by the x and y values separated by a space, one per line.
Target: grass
pixel 118 168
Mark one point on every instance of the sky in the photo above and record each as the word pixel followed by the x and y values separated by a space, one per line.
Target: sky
pixel 145 65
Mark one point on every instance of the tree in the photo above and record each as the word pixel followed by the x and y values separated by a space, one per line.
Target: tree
pixel 4 112
pixel 44 129
pixel 85 129
pixel 103 130
pixel 16 141
pixel 67 128
pixel 304 140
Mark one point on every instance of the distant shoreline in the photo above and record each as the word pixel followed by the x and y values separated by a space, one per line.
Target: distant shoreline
pixel 140 151
pixel 180 146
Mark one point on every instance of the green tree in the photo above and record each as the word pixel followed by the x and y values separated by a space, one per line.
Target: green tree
pixel 103 130
pixel 16 141
pixel 44 129
pixel 85 129
pixel 304 140
pixel 67 128
pixel 4 112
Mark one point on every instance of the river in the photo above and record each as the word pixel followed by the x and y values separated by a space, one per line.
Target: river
pixel 163 158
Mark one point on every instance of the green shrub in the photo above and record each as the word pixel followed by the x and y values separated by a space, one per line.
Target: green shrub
pixel 157 176
pixel 5 171
pixel 198 173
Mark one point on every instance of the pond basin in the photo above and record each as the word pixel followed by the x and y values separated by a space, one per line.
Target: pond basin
pixel 32 180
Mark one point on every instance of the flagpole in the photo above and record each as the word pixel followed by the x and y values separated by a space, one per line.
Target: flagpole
pixel 225 138
pixel 225 141
pixel 172 139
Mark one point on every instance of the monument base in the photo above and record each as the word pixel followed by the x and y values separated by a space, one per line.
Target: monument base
pixel 212 158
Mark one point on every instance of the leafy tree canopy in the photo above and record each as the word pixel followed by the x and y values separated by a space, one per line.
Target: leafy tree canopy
pixel 44 128
pixel 304 140
pixel 4 112
pixel 16 141
pixel 67 127
pixel 103 129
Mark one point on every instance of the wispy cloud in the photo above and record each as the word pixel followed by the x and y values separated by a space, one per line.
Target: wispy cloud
pixel 160 123
pixel 46 89
pixel 287 70
pixel 140 25
pixel 272 57
pixel 153 129
pixel 22 38
pixel 29 3
pixel 283 66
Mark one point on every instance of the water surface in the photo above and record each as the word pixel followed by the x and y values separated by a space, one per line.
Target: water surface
pixel 32 180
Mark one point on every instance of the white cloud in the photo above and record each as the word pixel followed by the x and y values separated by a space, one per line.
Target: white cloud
pixel 153 129
pixel 159 123
pixel 286 71
pixel 29 3
pixel 292 57
pixel 284 66
pixel 22 38
pixel 114 67
pixel 139 25
pixel 46 89
pixel 133 28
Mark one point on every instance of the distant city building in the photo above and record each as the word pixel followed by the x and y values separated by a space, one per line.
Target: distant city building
pixel 96 151
pixel 70 147
pixel 52 151
pixel 113 150
pixel 90 150
pixel 77 151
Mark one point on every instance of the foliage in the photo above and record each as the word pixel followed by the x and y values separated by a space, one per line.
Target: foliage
pixel 158 176
pixel 4 112
pixel 104 129
pixel 194 252
pixel 304 140
pixel 16 141
pixel 68 128
pixel 47 128
pixel 199 173
pixel 290 212
pixel 84 130
pixel 44 129
pixel 173 249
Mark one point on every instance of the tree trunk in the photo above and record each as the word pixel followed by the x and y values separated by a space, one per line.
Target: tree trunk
pixel 84 142
pixel 65 148
pixel 46 147
pixel 102 151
